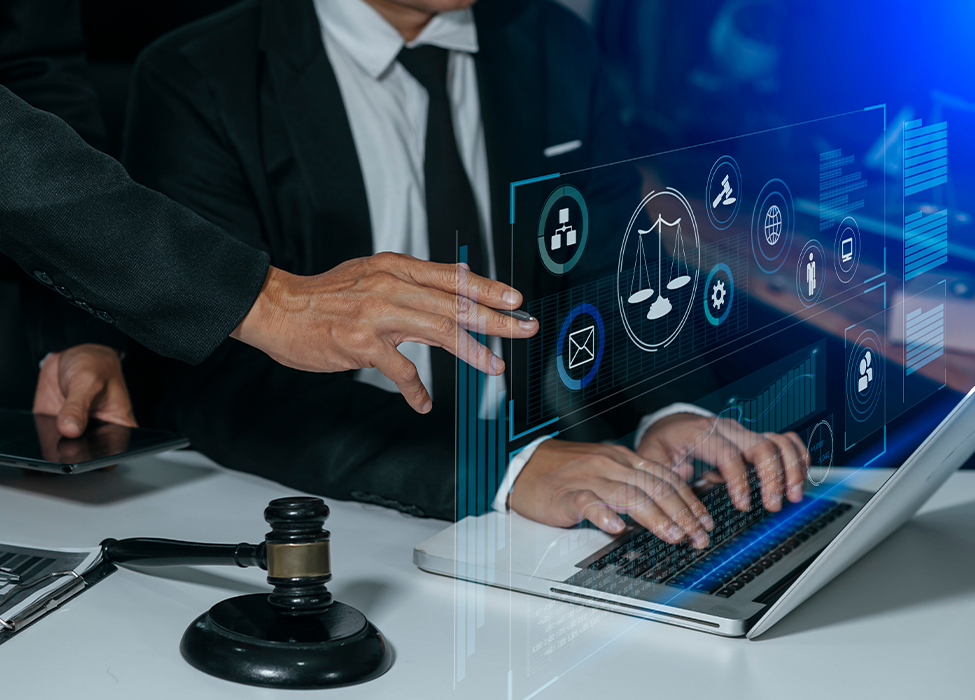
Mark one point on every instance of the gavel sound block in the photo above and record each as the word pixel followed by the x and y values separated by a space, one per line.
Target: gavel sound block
pixel 296 637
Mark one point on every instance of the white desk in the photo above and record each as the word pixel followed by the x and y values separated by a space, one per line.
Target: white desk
pixel 886 628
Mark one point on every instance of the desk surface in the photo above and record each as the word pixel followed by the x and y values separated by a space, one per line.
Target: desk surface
pixel 887 627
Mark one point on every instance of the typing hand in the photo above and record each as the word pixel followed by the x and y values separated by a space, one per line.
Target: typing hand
pixel 357 314
pixel 565 483
pixel 80 383
pixel 780 461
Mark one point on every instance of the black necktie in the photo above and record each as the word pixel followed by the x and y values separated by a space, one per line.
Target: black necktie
pixel 451 207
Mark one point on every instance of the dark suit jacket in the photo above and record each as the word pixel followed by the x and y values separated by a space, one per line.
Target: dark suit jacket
pixel 240 117
pixel 71 217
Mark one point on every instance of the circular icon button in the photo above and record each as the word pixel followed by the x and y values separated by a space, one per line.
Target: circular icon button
pixel 846 249
pixel 811 273
pixel 658 272
pixel 773 223
pixel 864 376
pixel 719 294
pixel 563 229
pixel 580 348
pixel 820 448
pixel 724 188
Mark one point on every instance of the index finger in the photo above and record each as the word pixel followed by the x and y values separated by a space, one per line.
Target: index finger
pixel 458 279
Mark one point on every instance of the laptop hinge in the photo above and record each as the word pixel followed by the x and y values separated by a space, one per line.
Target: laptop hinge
pixel 780 587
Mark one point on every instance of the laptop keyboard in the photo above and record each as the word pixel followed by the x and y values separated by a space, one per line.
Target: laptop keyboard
pixel 742 547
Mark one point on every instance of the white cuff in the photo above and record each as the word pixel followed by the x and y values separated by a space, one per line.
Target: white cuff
pixel 515 466
pixel 666 412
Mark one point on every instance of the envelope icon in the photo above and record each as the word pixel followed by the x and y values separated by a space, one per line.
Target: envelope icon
pixel 582 347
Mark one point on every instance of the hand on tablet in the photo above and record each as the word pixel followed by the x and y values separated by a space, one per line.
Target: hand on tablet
pixel 81 383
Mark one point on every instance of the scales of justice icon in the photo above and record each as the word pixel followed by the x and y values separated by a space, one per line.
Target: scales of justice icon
pixel 640 289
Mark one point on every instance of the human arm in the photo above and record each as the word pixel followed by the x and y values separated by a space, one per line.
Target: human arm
pixel 73 219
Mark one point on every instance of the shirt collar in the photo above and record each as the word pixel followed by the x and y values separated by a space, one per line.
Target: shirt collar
pixel 373 42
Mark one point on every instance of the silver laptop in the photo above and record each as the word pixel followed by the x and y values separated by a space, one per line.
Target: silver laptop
pixel 758 567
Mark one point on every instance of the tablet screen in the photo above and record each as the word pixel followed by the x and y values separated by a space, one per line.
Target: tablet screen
pixel 32 441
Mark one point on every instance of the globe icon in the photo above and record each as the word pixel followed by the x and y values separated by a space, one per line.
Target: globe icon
pixel 773 225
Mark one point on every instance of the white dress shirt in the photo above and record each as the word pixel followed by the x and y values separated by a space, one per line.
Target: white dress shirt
pixel 387 109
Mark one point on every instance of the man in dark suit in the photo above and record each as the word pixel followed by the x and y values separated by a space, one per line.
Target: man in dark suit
pixel 136 261
pixel 326 130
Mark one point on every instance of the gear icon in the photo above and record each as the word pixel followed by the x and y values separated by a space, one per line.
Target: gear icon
pixel 718 294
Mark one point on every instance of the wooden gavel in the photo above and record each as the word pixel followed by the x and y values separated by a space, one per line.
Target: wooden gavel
pixel 295 554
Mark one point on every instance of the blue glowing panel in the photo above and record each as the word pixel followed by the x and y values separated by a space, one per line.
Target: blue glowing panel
pixel 925 156
pixel 925 242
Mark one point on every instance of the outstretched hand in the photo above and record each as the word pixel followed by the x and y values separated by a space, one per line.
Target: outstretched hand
pixel 82 383
pixel 357 314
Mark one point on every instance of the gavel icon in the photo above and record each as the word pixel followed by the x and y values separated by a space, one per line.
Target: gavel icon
pixel 294 637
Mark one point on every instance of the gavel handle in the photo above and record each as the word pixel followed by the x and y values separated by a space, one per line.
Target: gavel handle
pixel 153 551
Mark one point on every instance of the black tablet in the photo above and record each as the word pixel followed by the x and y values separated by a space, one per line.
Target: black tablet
pixel 32 441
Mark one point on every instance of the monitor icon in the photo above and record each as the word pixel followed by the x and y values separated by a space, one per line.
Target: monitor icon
pixel 847 249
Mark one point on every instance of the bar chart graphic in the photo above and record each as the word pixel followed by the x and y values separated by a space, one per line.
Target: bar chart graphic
pixel 925 242
pixel 925 156
pixel 925 337
pixel 836 189
pixel 784 403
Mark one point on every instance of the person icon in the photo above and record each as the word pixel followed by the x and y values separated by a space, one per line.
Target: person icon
pixel 811 276
pixel 866 372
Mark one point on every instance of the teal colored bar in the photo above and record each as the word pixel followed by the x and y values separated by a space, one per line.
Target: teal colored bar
pixel 912 151
pixel 481 442
pixel 939 155
pixel 914 132
pixel 928 263
pixel 527 182
pixel 936 245
pixel 502 463
pixel 923 177
pixel 927 185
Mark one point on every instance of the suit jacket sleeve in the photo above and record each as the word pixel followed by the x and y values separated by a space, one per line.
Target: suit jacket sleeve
pixel 71 217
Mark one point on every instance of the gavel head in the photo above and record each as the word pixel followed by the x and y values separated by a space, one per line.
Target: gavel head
pixel 298 565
